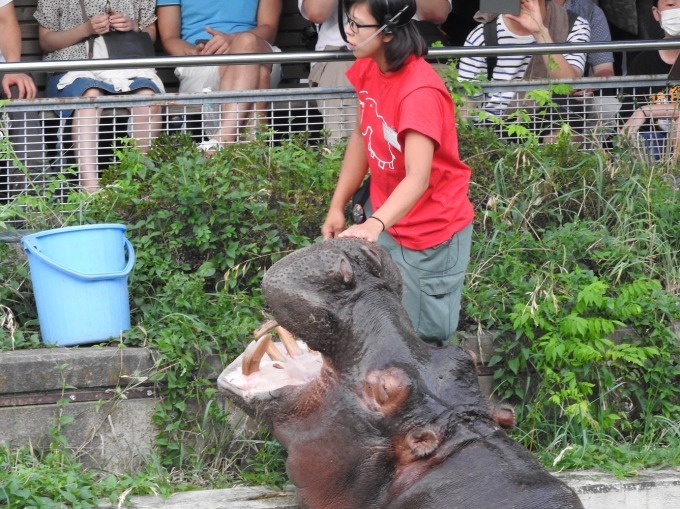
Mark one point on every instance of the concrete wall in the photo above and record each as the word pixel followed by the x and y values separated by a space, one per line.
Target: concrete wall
pixel 108 397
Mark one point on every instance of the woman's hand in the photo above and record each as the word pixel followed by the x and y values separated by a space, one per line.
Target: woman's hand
pixel 99 24
pixel 635 122
pixel 334 224
pixel 368 230
pixel 121 22
pixel 530 17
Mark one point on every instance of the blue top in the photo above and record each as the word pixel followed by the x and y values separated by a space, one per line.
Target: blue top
pixel 231 16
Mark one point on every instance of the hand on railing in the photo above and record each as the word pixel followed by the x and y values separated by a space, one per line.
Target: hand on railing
pixel 21 84
pixel 651 113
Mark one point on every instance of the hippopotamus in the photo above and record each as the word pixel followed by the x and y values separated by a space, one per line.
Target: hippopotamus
pixel 370 415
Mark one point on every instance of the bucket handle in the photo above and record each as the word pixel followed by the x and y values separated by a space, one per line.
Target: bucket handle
pixel 88 277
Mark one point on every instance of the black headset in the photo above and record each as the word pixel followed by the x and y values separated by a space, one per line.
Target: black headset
pixel 389 22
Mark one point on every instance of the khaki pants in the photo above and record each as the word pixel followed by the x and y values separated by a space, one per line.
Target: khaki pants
pixel 433 283
pixel 339 115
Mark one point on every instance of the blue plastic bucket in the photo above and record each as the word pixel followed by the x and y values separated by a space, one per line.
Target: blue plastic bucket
pixel 79 279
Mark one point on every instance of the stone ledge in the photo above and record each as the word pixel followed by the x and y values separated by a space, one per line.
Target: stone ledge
pixel 111 400
pixel 597 490
pixel 232 498
pixel 34 371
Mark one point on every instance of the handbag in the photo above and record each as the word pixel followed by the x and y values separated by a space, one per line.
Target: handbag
pixel 116 44
pixel 359 200
pixel 122 45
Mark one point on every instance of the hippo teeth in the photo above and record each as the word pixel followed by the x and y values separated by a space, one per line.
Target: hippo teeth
pixel 288 341
pixel 286 337
pixel 265 328
pixel 254 352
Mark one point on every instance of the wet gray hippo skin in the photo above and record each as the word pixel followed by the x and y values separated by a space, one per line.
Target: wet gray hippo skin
pixel 383 420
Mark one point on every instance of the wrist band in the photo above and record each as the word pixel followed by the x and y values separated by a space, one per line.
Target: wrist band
pixel 379 220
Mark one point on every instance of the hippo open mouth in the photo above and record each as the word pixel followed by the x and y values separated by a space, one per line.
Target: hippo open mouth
pixel 370 415
pixel 266 366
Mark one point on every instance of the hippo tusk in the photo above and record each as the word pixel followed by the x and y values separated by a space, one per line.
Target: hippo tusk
pixel 288 341
pixel 286 338
pixel 254 353
pixel 264 328
pixel 274 352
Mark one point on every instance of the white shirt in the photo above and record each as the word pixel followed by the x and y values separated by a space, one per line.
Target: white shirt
pixel 329 32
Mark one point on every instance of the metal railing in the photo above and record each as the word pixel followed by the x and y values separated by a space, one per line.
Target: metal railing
pixel 42 142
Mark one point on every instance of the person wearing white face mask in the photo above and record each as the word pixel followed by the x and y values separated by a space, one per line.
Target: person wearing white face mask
pixel 670 21
pixel 653 113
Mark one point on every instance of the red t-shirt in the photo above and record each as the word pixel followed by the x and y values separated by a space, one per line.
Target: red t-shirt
pixel 413 98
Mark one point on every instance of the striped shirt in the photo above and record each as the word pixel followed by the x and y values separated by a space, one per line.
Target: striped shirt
pixel 512 67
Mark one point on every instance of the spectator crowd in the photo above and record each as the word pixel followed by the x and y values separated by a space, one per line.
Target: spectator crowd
pixel 68 28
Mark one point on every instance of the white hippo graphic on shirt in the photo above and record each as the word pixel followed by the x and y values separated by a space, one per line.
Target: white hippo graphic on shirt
pixel 374 128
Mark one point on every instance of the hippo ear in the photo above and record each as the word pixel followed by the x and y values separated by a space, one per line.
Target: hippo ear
pixel 380 264
pixel 374 259
pixel 422 442
pixel 346 270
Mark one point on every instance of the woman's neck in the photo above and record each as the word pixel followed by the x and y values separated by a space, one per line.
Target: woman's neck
pixel 381 61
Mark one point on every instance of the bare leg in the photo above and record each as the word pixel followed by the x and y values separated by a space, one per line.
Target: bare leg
pixel 240 77
pixel 257 118
pixel 672 152
pixel 85 141
pixel 146 122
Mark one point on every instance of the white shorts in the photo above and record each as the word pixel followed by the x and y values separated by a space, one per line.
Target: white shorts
pixel 196 78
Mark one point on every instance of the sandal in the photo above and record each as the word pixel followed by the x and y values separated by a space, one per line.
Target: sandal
pixel 210 146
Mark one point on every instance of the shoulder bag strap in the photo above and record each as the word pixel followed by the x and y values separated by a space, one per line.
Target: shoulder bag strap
pixel 491 39
pixel 90 40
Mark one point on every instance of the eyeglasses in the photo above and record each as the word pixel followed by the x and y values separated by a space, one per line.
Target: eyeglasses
pixel 354 26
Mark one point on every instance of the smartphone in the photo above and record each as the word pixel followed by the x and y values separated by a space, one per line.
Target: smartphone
pixel 500 6
pixel 201 41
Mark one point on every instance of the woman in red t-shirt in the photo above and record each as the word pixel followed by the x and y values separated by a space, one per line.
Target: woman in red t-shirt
pixel 405 136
